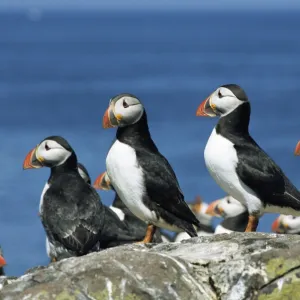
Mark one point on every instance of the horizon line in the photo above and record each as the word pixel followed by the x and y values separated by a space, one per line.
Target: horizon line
pixel 148 9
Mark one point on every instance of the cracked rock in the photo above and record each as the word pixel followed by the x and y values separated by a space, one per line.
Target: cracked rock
pixel 232 266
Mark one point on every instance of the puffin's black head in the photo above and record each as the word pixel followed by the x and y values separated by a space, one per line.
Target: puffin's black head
pixel 51 152
pixel 222 101
pixel 123 110
pixel 84 173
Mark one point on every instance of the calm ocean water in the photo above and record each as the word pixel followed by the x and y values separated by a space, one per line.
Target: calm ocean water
pixel 58 74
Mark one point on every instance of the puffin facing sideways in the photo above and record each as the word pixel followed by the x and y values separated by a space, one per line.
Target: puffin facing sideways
pixel 140 174
pixel 234 213
pixel 237 163
pixel 286 224
pixel 72 214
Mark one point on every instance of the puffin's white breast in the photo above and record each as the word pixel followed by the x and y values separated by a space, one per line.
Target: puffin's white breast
pixel 127 178
pixel 221 161
pixel 118 212
pixel 46 187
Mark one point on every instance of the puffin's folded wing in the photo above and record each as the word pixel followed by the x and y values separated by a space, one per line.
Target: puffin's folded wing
pixel 114 229
pixel 260 173
pixel 76 224
pixel 163 188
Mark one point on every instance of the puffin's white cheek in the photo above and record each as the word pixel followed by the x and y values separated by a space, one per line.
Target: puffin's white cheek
pixel 132 114
pixel 57 155
pixel 51 155
pixel 119 109
pixel 42 153
pixel 296 223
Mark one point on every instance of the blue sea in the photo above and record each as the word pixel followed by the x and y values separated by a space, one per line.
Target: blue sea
pixel 58 72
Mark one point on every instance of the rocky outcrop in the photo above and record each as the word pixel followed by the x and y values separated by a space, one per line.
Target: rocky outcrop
pixel 228 266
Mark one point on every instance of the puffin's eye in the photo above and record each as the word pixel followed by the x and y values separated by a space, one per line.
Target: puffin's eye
pixel 47 147
pixel 220 95
pixel 125 105
pixel 228 201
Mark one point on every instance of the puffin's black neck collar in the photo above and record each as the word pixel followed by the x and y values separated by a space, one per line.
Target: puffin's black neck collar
pixel 237 223
pixel 235 123
pixel 70 165
pixel 137 134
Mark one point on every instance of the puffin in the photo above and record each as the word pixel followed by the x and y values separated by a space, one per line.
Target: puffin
pixel 286 224
pixel 140 174
pixel 199 208
pixel 235 214
pixel 2 263
pixel 74 219
pixel 238 164
pixel 136 226
pixel 50 249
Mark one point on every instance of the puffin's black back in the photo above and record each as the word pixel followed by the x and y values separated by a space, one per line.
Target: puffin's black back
pixel 72 211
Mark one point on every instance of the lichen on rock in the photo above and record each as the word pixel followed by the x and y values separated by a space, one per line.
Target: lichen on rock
pixel 232 266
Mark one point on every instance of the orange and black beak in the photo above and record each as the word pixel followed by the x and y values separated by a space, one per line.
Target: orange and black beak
pixel 110 119
pixel 297 149
pixel 214 209
pixel 206 108
pixel 2 261
pixel 102 182
pixel 279 226
pixel 32 161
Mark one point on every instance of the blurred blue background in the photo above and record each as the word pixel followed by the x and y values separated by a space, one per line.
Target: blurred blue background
pixel 60 63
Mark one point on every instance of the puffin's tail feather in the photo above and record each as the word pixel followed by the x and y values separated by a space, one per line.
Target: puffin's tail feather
pixel 190 230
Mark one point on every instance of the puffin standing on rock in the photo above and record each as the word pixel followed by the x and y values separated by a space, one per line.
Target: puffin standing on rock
pixel 236 162
pixel 234 213
pixel 288 224
pixel 72 214
pixel 141 176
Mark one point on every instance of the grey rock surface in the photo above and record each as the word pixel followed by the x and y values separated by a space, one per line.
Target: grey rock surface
pixel 229 266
